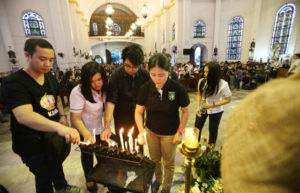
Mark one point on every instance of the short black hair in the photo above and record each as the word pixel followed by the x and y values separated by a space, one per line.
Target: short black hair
pixel 88 71
pixel 31 44
pixel 134 54
pixel 161 60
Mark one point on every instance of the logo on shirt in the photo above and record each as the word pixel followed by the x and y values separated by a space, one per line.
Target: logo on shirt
pixel 171 96
pixel 48 102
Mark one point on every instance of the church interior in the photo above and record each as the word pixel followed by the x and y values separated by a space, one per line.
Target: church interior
pixel 260 37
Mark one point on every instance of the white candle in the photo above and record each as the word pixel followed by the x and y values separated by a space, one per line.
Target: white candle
pixel 137 149
pixel 130 140
pixel 121 139
pixel 85 143
pixel 126 147
pixel 135 143
pixel 94 133
pixel 145 138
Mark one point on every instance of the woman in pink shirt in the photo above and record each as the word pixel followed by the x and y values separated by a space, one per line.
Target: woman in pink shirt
pixel 87 101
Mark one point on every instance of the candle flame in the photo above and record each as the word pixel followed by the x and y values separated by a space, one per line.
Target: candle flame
pixel 122 130
pixel 130 132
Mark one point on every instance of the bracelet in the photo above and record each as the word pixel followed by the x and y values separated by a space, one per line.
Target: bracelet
pixel 214 104
pixel 180 131
pixel 64 115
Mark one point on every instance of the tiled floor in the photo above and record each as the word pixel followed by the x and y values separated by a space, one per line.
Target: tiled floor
pixel 15 176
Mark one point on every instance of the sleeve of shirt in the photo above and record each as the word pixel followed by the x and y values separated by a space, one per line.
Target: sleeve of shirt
pixel 112 93
pixel 142 95
pixel 77 101
pixel 15 94
pixel 226 90
pixel 184 99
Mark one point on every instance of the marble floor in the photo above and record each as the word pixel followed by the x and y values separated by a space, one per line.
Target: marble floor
pixel 15 176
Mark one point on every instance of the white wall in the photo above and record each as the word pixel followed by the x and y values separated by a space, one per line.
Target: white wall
pixel 230 9
pixel 265 29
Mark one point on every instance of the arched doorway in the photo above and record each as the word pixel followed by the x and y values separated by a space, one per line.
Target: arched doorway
pixel 199 53
pixel 98 59
pixel 173 54
pixel 116 56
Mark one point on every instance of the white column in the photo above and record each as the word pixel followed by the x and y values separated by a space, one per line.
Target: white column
pixel 216 29
pixel 179 29
pixel 62 32
pixel 256 19
pixel 5 40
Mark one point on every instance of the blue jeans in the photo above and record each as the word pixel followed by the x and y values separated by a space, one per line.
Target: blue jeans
pixel 45 174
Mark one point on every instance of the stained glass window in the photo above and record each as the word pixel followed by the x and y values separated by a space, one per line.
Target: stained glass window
pixel 33 24
pixel 283 27
pixel 173 32
pixel 95 29
pixel 199 29
pixel 234 41
pixel 116 29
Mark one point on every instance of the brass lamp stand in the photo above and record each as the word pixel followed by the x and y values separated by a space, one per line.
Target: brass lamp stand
pixel 190 151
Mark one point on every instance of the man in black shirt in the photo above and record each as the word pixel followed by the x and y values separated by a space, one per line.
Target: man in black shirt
pixel 123 88
pixel 31 95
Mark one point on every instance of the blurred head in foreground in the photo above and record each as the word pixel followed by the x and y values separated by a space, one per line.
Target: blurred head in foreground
pixel 261 153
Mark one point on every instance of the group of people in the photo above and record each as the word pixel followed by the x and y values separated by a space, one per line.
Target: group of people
pixel 41 133
pixel 40 128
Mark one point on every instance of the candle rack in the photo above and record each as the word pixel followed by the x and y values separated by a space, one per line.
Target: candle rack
pixel 104 151
pixel 115 168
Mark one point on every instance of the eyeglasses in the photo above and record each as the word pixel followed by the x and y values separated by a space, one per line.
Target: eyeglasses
pixel 131 67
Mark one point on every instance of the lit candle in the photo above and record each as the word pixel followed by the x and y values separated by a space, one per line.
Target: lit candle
pixel 126 147
pixel 137 149
pixel 130 140
pixel 94 133
pixel 121 139
pixel 135 143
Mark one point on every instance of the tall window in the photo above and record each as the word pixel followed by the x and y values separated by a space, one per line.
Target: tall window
pixel 283 28
pixel 95 29
pixel 173 31
pixel 116 29
pixel 33 24
pixel 199 29
pixel 235 35
pixel 198 56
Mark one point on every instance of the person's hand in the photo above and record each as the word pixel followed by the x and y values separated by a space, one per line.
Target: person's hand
pixel 207 105
pixel 141 139
pixel 198 112
pixel 105 135
pixel 177 138
pixel 63 120
pixel 71 135
pixel 89 137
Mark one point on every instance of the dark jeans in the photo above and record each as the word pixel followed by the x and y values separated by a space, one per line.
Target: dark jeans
pixel 45 174
pixel 238 84
pixel 214 121
pixel 87 160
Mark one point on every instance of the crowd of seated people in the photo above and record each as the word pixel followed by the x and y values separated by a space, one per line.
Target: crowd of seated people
pixel 239 76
